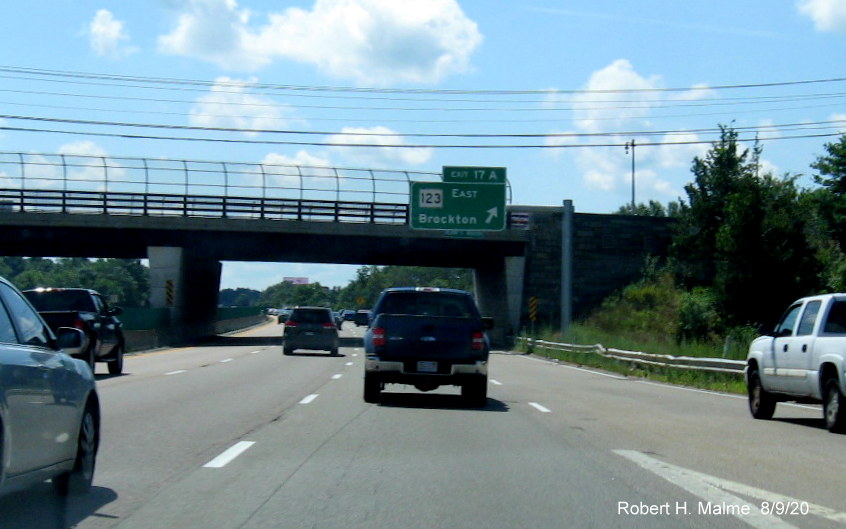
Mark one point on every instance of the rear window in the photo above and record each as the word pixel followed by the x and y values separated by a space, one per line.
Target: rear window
pixel 59 300
pixel 836 321
pixel 311 316
pixel 429 304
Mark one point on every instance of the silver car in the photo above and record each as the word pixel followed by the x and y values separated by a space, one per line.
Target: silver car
pixel 49 409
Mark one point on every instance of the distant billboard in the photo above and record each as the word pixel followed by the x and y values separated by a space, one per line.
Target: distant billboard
pixel 296 280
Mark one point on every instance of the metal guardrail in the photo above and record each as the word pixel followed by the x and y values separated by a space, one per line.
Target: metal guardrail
pixel 715 365
pixel 161 204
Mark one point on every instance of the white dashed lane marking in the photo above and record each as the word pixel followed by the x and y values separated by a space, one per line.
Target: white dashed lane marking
pixel 229 455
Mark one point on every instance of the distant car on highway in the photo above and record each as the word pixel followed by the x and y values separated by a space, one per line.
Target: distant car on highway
pixel 88 311
pixel 362 318
pixel 49 409
pixel 311 328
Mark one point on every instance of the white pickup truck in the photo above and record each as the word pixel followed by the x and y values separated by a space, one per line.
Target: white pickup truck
pixel 803 360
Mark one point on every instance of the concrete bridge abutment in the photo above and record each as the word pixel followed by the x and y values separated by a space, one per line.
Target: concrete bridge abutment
pixel 187 282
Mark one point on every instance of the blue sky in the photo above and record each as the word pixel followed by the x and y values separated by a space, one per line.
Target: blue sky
pixel 553 89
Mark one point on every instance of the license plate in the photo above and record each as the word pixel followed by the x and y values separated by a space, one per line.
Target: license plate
pixel 427 367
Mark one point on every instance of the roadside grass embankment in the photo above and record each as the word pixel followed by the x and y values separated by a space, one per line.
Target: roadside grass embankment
pixel 581 335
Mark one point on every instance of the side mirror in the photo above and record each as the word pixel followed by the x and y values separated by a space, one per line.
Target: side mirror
pixel 72 341
pixel 116 311
pixel 488 323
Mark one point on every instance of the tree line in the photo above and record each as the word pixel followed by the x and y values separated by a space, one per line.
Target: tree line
pixel 748 243
pixel 126 282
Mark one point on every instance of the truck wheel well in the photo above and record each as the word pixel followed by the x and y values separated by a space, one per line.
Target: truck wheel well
pixel 828 371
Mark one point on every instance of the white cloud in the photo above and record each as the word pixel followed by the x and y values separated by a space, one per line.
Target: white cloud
pixel 618 98
pixel 106 36
pixel 391 149
pixel 290 171
pixel 377 42
pixel 604 107
pixel 230 105
pixel 90 162
pixel 842 119
pixel 828 15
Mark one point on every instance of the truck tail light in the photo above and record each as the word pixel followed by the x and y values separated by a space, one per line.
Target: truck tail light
pixel 478 341
pixel 328 325
pixel 290 323
pixel 378 337
pixel 79 324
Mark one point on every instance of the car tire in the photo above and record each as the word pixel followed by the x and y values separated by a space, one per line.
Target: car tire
pixel 287 351
pixel 78 481
pixel 90 358
pixel 476 392
pixel 116 365
pixel 834 407
pixel 372 389
pixel 762 404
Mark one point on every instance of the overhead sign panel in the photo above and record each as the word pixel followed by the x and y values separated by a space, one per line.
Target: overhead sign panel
pixel 474 175
pixel 457 206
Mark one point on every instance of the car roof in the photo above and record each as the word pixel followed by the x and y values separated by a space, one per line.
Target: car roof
pixel 426 289
pixel 61 289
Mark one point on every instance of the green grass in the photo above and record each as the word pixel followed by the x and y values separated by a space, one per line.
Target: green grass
pixel 727 382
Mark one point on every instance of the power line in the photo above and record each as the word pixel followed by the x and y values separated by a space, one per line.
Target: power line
pixel 368 90
pixel 401 146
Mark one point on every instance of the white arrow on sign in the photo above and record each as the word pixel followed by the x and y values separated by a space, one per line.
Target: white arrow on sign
pixel 492 214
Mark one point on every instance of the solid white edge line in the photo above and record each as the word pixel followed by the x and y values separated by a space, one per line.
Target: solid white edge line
pixel 309 399
pixel 540 408
pixel 225 360
pixel 229 455
pixel 177 372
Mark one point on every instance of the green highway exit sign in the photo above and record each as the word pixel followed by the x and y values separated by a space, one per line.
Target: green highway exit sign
pixel 457 206
pixel 474 175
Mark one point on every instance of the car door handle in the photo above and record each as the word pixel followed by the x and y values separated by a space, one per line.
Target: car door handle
pixel 785 348
pixel 804 348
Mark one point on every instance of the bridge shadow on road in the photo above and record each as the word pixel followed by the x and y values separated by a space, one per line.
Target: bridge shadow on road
pixel 40 508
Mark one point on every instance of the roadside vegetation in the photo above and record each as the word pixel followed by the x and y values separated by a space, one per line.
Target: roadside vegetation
pixel 746 244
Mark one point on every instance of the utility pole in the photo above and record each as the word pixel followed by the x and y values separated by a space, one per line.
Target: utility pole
pixel 632 145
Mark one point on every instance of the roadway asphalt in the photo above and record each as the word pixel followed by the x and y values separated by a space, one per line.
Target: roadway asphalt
pixel 233 434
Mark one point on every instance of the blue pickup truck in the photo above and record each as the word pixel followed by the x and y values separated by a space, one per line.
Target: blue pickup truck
pixel 427 338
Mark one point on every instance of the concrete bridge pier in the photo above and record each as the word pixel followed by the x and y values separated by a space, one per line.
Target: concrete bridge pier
pixel 498 291
pixel 187 282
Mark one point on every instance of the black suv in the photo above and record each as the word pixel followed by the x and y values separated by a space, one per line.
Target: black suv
pixel 311 328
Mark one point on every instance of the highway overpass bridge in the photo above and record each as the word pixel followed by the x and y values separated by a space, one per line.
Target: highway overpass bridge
pixel 567 261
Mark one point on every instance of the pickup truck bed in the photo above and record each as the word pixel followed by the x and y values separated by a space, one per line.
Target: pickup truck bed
pixel 88 311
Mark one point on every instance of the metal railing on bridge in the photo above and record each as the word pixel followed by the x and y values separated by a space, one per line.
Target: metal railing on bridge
pixel 64 183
